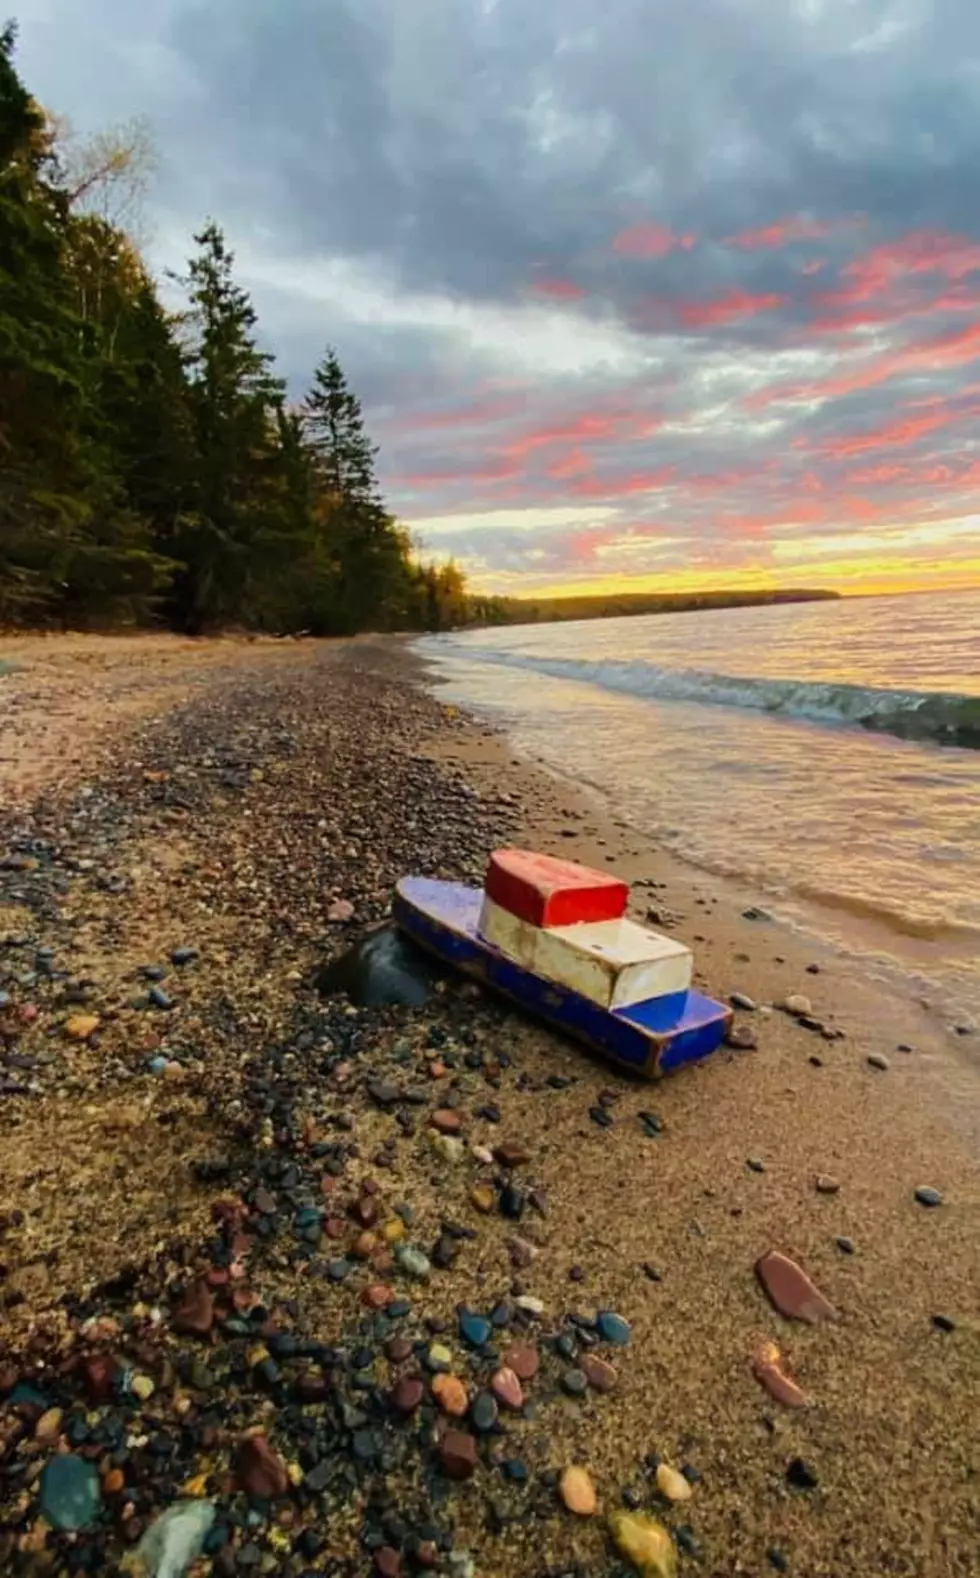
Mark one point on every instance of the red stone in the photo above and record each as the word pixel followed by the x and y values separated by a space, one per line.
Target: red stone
pixel 98 1374
pixel 511 1154
pixel 335 1227
pixel 364 1211
pixel 458 1455
pixel 506 1388
pixel 446 1121
pixel 377 1296
pixel 397 1349
pixel 523 1360
pixel 407 1394
pixel 387 1562
pixel 194 1315
pixel 548 891
pixel 260 1470
pixel 598 1372
pixel 768 1367
pixel 791 1290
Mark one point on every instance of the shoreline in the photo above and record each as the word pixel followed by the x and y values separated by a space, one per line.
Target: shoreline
pixel 289 783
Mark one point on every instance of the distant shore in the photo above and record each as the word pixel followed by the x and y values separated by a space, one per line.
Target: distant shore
pixel 254 802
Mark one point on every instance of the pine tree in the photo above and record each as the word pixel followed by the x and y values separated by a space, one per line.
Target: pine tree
pixel 234 400
pixel 370 573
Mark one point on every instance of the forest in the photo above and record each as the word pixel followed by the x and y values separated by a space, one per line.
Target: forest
pixel 152 468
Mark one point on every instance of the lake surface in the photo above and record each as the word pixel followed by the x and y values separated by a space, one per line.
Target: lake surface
pixel 826 754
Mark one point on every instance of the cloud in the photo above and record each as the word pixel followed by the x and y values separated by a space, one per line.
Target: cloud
pixel 731 313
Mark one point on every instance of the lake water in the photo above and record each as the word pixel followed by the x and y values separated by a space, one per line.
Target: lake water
pixel 825 754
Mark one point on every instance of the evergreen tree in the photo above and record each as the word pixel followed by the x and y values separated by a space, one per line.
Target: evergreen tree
pixel 369 580
pixel 234 399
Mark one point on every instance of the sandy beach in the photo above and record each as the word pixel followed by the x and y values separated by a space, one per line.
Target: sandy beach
pixel 213 1130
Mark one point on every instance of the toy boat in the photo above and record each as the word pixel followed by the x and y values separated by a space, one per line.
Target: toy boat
pixel 553 937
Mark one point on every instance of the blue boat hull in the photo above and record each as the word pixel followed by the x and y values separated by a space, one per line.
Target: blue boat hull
pixel 650 1039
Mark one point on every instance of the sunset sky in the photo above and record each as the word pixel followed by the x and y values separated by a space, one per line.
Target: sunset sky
pixel 637 294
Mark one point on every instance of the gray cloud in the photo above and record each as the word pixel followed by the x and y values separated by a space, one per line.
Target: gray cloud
pixel 488 153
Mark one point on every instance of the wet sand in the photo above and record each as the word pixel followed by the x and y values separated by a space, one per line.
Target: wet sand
pixel 232 800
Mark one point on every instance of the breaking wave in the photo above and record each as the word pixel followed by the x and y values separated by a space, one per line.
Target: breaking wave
pixel 934 717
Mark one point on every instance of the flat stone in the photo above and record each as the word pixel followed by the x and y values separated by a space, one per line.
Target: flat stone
pixel 398 1349
pixel 845 1245
pixel 406 1394
pixel 383 1092
pixel 512 1202
pixel 824 1183
pixel 483 1198
pixel 458 1455
pixel 645 1543
pixel 927 1195
pixel 613 1328
pixel 511 1154
pixel 387 1562
pixel 175 1540
pixel 194 1315
pixel 742 1037
pixel 439 1357
pixel 260 1470
pixel 578 1492
pixel 70 1493
pixel 671 1483
pixel 944 1323
pixel 507 1388
pixel 769 1369
pixel 739 1000
pixel 524 1360
pixel 600 1375
pixel 446 1121
pixel 755 1164
pixel 182 956
pixel 791 1290
pixel 879 1061
pixel 451 1395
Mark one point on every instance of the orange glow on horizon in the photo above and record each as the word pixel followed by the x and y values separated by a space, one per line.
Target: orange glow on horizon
pixel 868 578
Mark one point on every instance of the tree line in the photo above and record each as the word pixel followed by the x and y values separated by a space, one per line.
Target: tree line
pixel 152 469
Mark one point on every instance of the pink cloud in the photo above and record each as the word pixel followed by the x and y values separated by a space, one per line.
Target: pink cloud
pixel 726 309
pixel 650 240
pixel 893 435
pixel 780 233
pixel 558 289
pixel 948 350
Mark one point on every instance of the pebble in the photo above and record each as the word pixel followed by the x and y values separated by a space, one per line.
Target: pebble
pixel 742 1037
pixel 944 1323
pixel 512 1202
pixel 613 1328
pixel 159 998
pixel 387 1562
pixel 80 1026
pixel 574 1382
pixel 645 1543
pixel 776 1559
pixel 672 1484
pixel 600 1375
pixel 524 1360
pixel 413 1262
pixel 530 1304
pixel 483 1198
pixel 446 1120
pixel 800 1475
pixel 845 1245
pixel 142 1387
pixel 474 1329
pixel 483 1412
pixel 507 1388
pixel 451 1395
pixel 739 1000
pixel 791 1290
pixel 260 1470
pixel 927 1195
pixel 176 1539
pixel 407 1394
pixel 511 1154
pixel 458 1455
pixel 878 1060
pixel 824 1183
pixel 439 1357
pixel 578 1492
pixel 796 1004
pixel 770 1371
pixel 755 1164
pixel 182 956
pixel 449 1147
pixel 70 1492
pixel 194 1315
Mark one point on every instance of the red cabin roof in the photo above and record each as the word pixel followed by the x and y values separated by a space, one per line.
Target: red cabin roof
pixel 548 891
